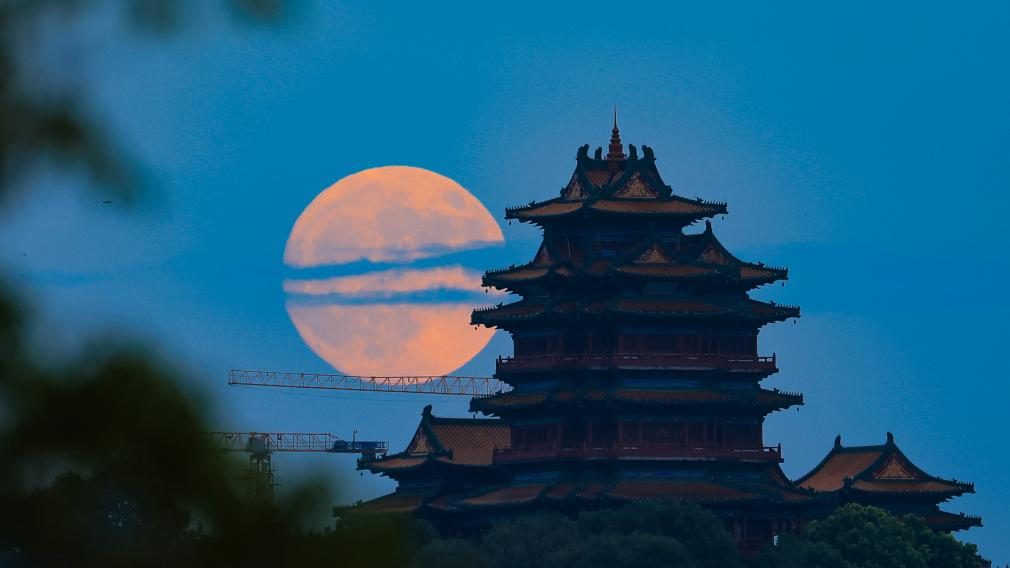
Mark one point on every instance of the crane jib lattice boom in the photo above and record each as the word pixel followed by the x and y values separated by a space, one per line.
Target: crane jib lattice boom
pixel 274 442
pixel 444 384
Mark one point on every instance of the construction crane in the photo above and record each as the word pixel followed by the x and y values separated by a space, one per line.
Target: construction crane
pixel 261 478
pixel 420 384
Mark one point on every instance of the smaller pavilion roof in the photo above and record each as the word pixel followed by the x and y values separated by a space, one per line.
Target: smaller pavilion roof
pixel 467 442
pixel 877 470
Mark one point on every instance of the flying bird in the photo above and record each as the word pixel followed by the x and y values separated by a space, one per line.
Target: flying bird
pixel 106 202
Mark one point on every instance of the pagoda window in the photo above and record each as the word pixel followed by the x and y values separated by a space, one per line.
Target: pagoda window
pixel 630 432
pixel 709 344
pixel 573 434
pixel 538 435
pixel 690 344
pixel 726 344
pixel 520 345
pixel 535 345
pixel 661 433
pixel 523 346
pixel 716 435
pixel 601 343
pixel 573 343
pixel 697 434
pixel 603 433
pixel 738 344
pixel 629 343
pixel 743 435
pixel 652 343
pixel 668 344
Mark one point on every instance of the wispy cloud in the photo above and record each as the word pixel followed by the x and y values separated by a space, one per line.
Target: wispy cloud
pixel 390 283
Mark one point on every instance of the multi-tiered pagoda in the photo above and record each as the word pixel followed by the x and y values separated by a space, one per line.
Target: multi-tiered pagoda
pixel 636 372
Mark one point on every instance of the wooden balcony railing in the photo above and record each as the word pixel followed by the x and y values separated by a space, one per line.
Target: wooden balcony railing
pixel 763 453
pixel 732 362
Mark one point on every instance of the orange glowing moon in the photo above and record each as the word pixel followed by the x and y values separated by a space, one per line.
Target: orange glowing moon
pixel 391 339
pixel 372 323
pixel 389 214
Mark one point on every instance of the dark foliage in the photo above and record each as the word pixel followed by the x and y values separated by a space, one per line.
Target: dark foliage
pixel 795 552
pixel 701 534
pixel 49 124
pixel 142 483
pixel 867 537
pixel 451 553
pixel 659 533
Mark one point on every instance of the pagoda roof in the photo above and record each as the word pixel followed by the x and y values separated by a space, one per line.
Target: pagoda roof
pixel 629 186
pixel 467 442
pixel 507 495
pixel 643 306
pixel 398 502
pixel 706 489
pixel 704 247
pixel 949 522
pixel 518 399
pixel 877 470
pixel 700 256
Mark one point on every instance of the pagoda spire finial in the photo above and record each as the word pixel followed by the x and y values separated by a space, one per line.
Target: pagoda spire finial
pixel 616 152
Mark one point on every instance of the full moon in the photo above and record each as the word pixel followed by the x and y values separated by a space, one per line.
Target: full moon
pixel 389 214
pixel 390 321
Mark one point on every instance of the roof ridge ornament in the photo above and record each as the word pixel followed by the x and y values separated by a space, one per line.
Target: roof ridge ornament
pixel 616 153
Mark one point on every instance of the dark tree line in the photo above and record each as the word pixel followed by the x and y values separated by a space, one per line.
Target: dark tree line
pixel 672 534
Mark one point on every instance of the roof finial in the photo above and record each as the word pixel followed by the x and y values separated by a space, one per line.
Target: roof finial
pixel 616 153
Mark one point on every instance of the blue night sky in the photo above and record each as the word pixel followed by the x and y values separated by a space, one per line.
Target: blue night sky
pixel 867 148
